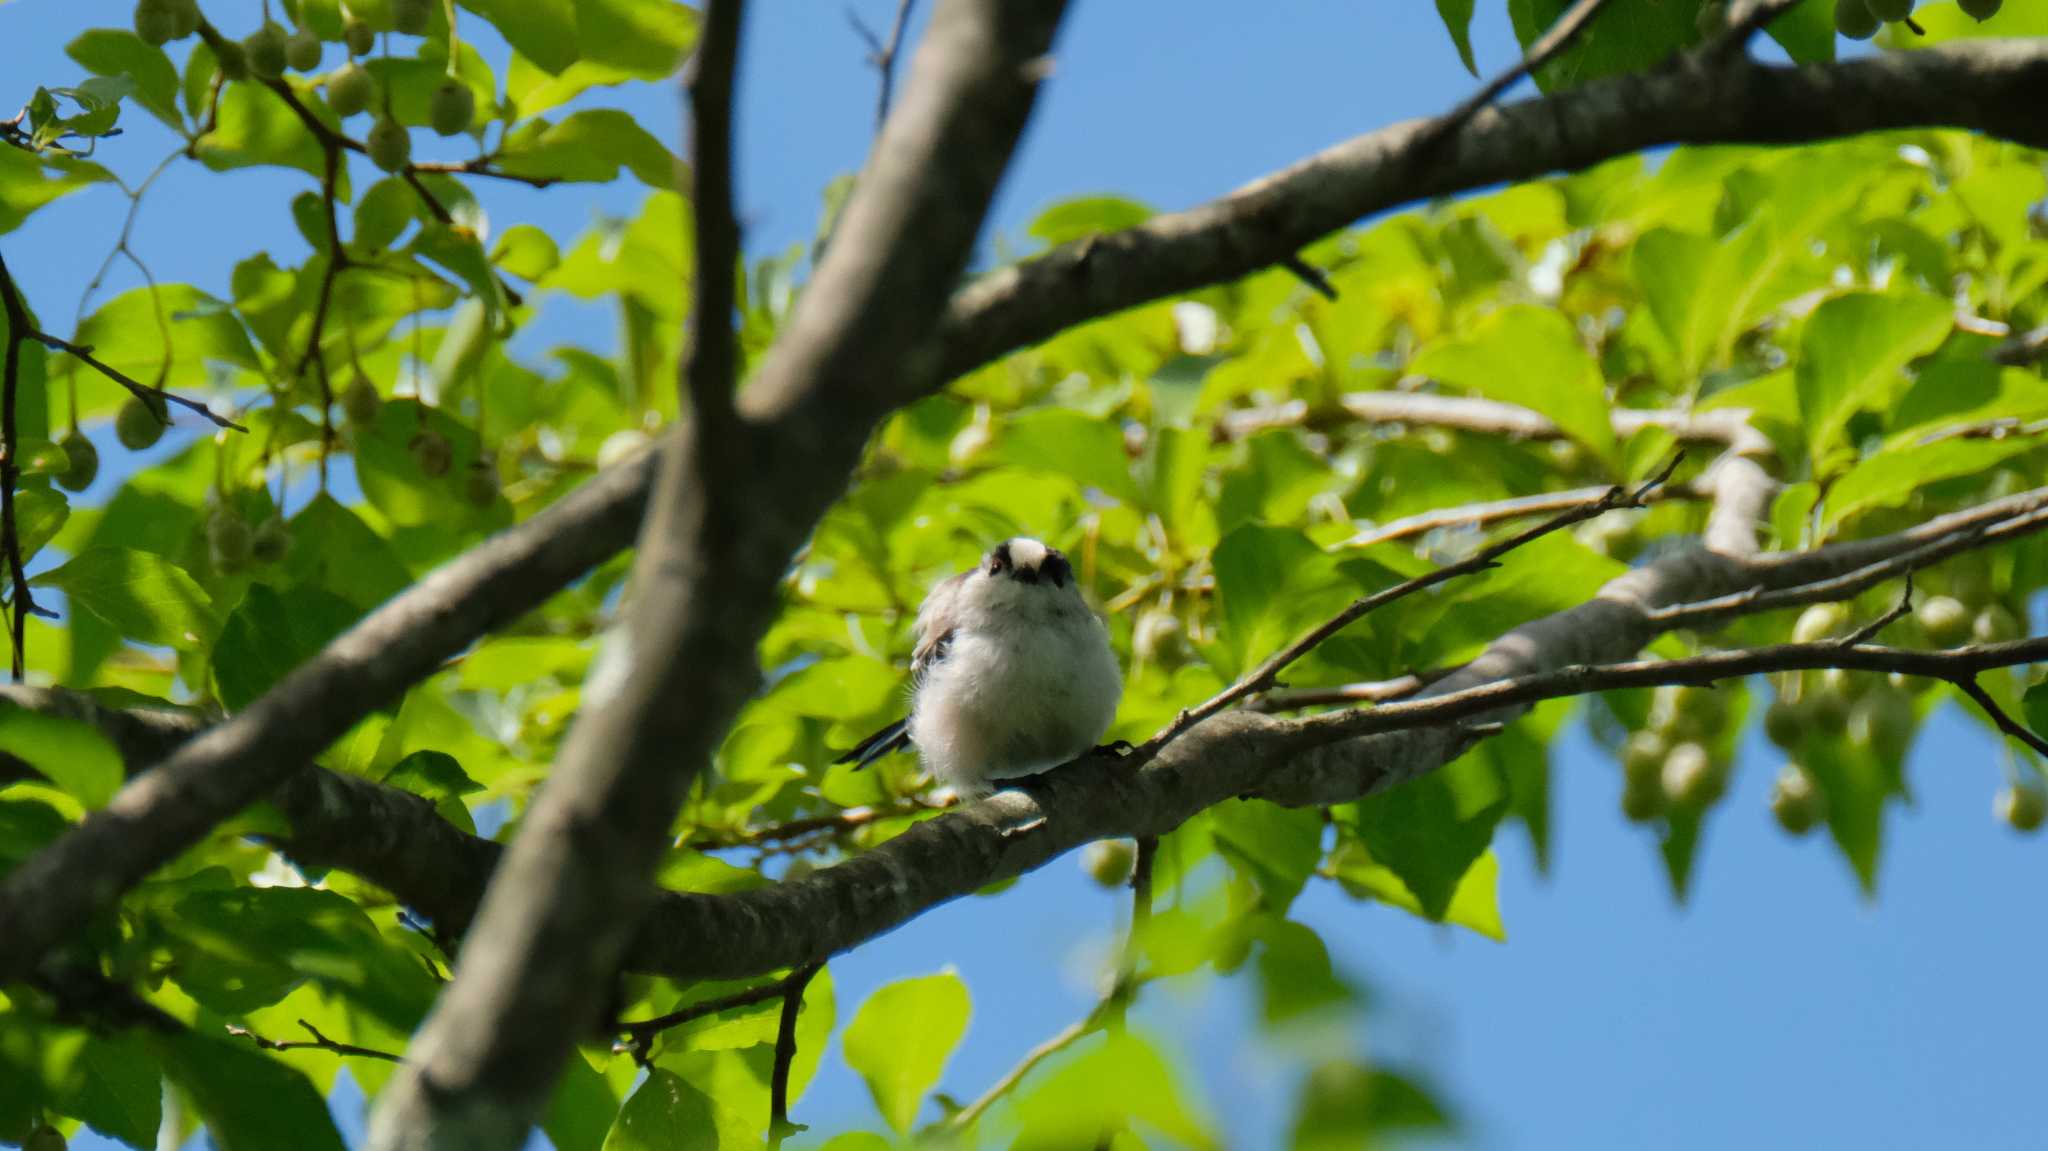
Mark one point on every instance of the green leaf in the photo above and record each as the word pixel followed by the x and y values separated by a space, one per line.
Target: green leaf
pixel 125 334
pixel 1807 32
pixel 1853 356
pixel 667 1114
pixel 1295 977
pixel 140 594
pixel 119 52
pixel 39 515
pixel 28 183
pixel 272 632
pixel 1122 1080
pixel 2035 703
pixel 1431 830
pixel 1890 479
pixel 1088 451
pixel 900 1039
pixel 242 948
pixel 1457 17
pixel 332 548
pixel 526 252
pixel 1086 216
pixel 583 1110
pixel 71 753
pixel 254 128
pixel 1622 38
pixel 1532 357
pixel 250 1101
pixel 1344 1103
pixel 1275 847
pixel 1272 583
pixel 589 147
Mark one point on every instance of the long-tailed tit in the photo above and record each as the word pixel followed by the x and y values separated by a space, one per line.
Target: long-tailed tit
pixel 1012 673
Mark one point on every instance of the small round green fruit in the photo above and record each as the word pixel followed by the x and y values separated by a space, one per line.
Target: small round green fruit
pixel 229 540
pixel 350 90
pixel 480 485
pixel 1945 620
pixel 186 12
pixel 82 462
pixel 155 22
pixel 1691 778
pixel 1995 624
pixel 45 1139
pixel 1642 801
pixel 358 36
pixel 138 425
pixel 1882 723
pixel 431 453
pixel 1796 801
pixel 1785 723
pixel 273 540
pixel 452 109
pixel 1819 622
pixel 412 17
pixel 231 60
pixel 360 403
pixel 266 51
pixel 1890 11
pixel 1109 861
pixel 389 144
pixel 1158 639
pixel 303 49
pixel 1854 20
pixel 2021 806
pixel 1642 756
pixel 1980 10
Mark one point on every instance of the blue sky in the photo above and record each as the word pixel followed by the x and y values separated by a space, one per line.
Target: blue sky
pixel 1781 1007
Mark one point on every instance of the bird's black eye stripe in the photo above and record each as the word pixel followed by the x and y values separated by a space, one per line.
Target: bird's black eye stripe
pixel 999 559
pixel 1057 569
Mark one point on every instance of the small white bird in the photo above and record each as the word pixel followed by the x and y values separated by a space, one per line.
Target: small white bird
pixel 1012 673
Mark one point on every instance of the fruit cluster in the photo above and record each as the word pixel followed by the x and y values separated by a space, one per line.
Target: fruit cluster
pixel 1860 19
pixel 269 51
pixel 1666 765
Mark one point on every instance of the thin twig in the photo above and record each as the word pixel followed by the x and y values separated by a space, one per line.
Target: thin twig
pixel 1267 674
pixel 640 1033
pixel 1349 694
pixel 10 470
pixel 2024 349
pixel 1497 511
pixel 319 1042
pixel 779 1126
pixel 709 370
pixel 1953 665
pixel 1899 610
pixel 150 396
pixel 1311 275
pixel 882 53
pixel 1546 48
pixel 1969 686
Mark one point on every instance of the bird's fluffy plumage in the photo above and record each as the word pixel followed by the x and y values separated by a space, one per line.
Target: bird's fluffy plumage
pixel 1012 673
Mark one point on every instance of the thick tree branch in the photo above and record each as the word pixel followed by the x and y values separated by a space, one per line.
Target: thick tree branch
pixel 729 511
pixel 53 893
pixel 1988 85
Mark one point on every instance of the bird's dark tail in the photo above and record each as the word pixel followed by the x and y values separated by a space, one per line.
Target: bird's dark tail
pixel 895 737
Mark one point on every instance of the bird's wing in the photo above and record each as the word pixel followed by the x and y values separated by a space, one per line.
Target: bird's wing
pixel 934 627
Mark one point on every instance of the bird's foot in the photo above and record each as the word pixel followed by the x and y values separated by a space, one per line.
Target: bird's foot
pixel 1115 749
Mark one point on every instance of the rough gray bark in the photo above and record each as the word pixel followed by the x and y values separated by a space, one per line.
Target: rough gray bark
pixel 1990 86
pixel 729 512
pixel 398 841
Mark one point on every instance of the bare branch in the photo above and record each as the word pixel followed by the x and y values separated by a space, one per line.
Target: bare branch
pixel 2022 350
pixel 319 1042
pixel 640 1033
pixel 1554 40
pixel 779 1126
pixel 149 395
pixel 882 54
pixel 709 367
pixel 1267 674
pixel 731 508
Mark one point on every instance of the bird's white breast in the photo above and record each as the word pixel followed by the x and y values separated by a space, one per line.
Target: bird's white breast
pixel 1028 683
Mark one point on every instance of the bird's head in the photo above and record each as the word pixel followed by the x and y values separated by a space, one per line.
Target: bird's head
pixel 1027 561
